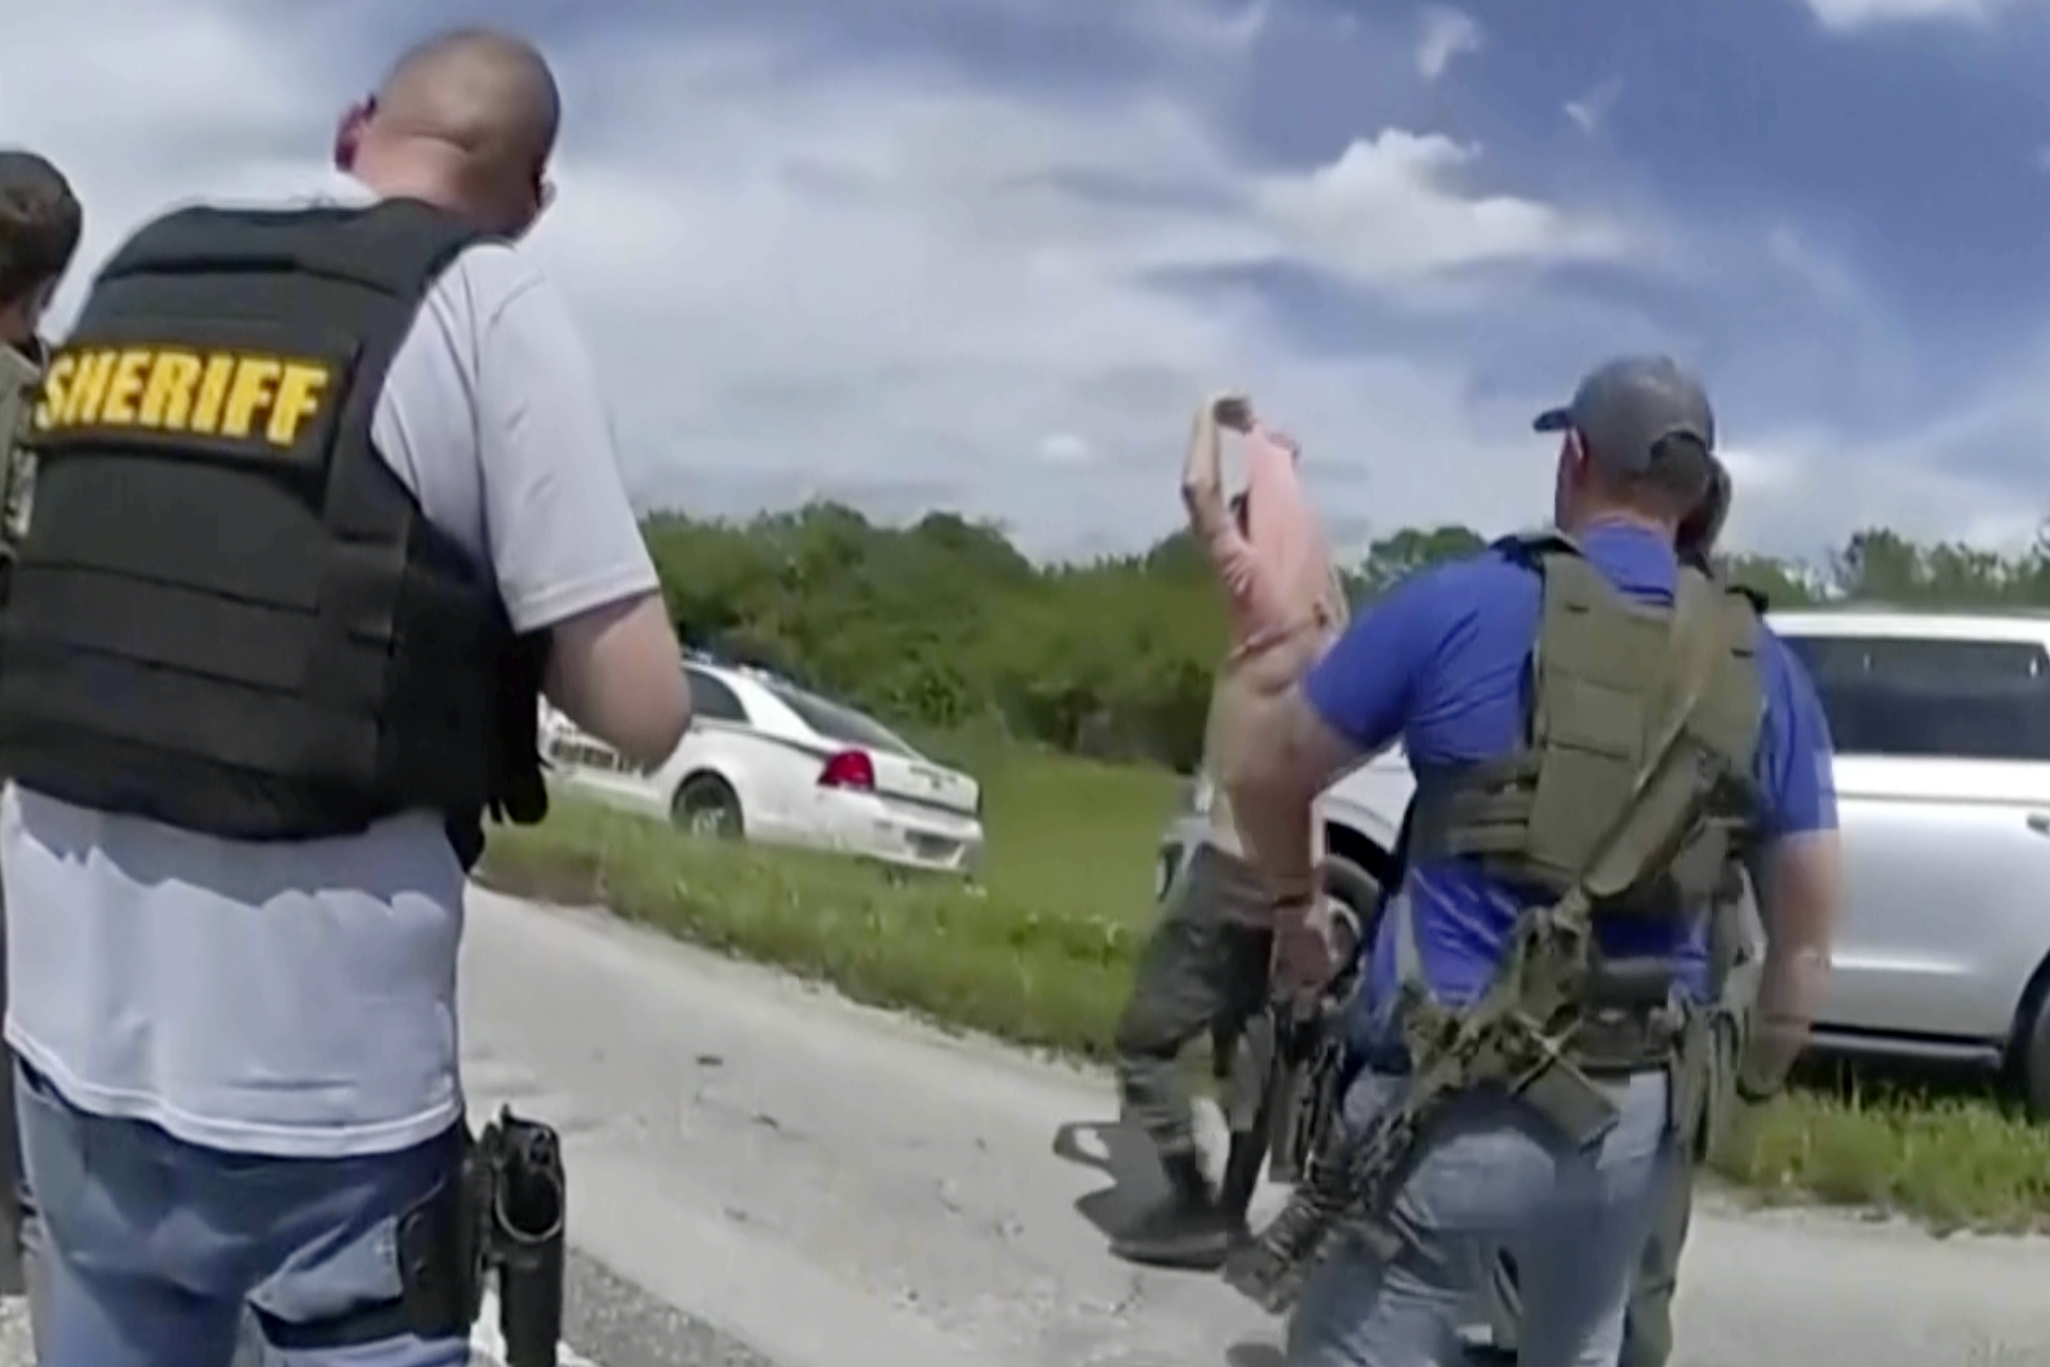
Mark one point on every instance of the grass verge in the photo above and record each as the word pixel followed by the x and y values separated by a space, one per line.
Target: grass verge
pixel 975 958
pixel 996 959
pixel 1952 1162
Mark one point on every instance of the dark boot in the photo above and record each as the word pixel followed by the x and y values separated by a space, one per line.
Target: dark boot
pixel 1188 1230
pixel 1242 1165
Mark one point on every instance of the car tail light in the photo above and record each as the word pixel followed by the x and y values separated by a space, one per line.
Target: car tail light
pixel 849 769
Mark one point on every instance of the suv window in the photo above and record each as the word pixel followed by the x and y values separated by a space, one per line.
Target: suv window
pixel 835 722
pixel 713 700
pixel 1958 699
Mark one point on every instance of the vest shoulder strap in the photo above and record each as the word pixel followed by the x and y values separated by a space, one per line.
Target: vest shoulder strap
pixel 1733 711
pixel 1669 788
pixel 395 247
pixel 1532 548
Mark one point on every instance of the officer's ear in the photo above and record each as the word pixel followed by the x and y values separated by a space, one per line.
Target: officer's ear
pixel 1573 454
pixel 1570 478
pixel 38 305
pixel 349 132
pixel 544 195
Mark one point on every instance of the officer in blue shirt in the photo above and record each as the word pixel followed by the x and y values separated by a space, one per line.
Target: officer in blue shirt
pixel 1443 665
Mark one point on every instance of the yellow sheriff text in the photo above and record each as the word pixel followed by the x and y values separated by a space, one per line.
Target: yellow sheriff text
pixel 233 395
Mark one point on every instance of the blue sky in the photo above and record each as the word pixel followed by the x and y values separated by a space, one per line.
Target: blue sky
pixel 987 254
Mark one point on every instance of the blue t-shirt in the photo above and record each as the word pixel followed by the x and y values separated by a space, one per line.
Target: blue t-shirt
pixel 1442 664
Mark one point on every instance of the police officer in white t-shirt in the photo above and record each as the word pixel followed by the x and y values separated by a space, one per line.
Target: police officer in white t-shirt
pixel 325 495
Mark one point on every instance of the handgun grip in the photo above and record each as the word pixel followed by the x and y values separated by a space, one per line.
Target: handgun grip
pixel 529 1209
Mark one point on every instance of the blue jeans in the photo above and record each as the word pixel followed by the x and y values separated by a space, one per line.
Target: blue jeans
pixel 1496 1175
pixel 156 1245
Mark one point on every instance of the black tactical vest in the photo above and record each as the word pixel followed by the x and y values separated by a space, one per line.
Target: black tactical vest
pixel 228 614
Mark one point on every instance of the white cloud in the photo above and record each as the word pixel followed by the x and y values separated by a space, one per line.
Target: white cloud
pixel 1923 482
pixel 1831 279
pixel 1591 110
pixel 853 277
pixel 1066 448
pixel 813 269
pixel 1390 207
pixel 1847 15
pixel 1443 36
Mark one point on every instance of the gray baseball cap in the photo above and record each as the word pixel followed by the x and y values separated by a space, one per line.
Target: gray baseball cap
pixel 1624 409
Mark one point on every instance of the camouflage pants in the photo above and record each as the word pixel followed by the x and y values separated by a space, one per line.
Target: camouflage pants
pixel 1202 972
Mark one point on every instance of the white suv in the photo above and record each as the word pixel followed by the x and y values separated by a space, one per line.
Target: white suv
pixel 1941 723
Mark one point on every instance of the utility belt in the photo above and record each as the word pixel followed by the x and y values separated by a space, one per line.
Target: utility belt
pixel 499 1215
pixel 1631 1023
pixel 1621 1045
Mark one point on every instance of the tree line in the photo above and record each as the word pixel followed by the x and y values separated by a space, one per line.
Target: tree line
pixel 945 624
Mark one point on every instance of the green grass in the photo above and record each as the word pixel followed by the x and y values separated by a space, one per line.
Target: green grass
pixel 1069 836
pixel 1041 953
pixel 979 958
pixel 1952 1162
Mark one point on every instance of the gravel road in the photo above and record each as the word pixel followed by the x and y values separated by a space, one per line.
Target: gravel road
pixel 764 1175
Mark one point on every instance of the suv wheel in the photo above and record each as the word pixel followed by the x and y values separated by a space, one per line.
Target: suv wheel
pixel 2030 1066
pixel 1354 886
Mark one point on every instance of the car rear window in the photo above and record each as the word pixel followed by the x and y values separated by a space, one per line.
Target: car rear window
pixel 838 723
pixel 1909 696
pixel 713 700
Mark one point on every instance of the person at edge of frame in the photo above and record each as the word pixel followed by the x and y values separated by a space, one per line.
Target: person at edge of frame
pixel 1735 932
pixel 1444 664
pixel 1204 969
pixel 41 223
pixel 249 770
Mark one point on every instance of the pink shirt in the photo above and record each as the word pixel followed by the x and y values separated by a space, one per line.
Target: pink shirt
pixel 1278 574
pixel 1285 602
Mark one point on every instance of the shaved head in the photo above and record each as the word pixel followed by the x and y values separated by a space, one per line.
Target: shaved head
pixel 466 119
pixel 488 93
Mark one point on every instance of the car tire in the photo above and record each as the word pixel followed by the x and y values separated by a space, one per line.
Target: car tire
pixel 1354 886
pixel 2031 1064
pixel 706 805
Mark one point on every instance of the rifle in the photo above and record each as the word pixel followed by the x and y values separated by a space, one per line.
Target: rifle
pixel 1281 1074
pixel 1294 1054
pixel 1298 1088
pixel 1520 1029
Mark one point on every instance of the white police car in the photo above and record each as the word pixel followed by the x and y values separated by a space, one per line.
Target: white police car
pixel 767 761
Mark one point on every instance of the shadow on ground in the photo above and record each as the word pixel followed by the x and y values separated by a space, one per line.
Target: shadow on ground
pixel 1123 1155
